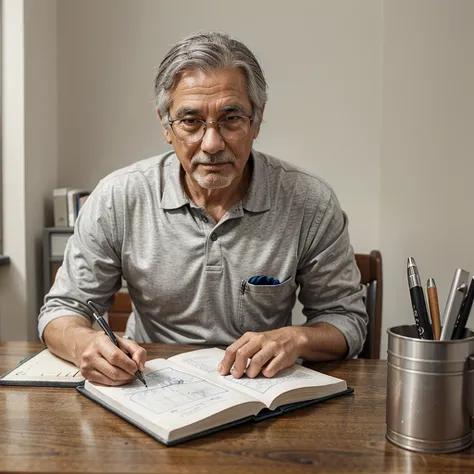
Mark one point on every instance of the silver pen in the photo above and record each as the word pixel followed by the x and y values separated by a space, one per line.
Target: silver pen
pixel 453 303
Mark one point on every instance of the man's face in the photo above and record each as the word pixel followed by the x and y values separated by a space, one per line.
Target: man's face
pixel 212 163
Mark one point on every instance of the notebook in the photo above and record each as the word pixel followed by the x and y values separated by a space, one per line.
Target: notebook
pixel 186 397
pixel 43 369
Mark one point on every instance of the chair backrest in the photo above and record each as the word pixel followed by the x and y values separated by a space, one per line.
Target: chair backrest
pixel 370 267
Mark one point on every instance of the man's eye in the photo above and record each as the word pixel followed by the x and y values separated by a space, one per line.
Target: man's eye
pixel 189 121
pixel 232 118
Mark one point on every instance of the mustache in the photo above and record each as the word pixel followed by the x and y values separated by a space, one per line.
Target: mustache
pixel 216 159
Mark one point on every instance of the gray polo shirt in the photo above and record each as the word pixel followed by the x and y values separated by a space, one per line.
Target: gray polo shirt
pixel 188 275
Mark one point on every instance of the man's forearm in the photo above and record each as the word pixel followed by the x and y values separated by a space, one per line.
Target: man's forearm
pixel 67 337
pixel 321 341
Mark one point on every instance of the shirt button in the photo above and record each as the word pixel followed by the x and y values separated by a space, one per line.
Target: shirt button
pixel 214 236
pixel 205 219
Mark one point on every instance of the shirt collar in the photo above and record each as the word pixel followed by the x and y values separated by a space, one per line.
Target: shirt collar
pixel 174 195
pixel 257 198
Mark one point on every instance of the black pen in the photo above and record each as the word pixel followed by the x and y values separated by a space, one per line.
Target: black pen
pixel 464 312
pixel 418 303
pixel 103 324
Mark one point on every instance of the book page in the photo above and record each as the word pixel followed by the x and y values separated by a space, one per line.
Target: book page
pixel 45 367
pixel 309 383
pixel 176 398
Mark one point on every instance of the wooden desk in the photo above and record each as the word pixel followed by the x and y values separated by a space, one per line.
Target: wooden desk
pixel 58 430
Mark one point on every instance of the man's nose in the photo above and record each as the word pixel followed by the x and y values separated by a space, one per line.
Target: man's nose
pixel 212 142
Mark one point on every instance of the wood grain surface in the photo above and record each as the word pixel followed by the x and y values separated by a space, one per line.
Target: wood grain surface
pixel 58 430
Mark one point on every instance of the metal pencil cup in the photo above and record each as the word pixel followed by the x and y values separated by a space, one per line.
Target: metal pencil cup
pixel 430 391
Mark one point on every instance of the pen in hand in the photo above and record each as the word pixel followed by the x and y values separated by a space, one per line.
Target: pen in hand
pixel 434 308
pixel 103 324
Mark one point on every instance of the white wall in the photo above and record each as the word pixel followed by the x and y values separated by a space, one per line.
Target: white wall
pixel 427 164
pixel 322 63
pixel 29 156
pixel 13 297
pixel 374 96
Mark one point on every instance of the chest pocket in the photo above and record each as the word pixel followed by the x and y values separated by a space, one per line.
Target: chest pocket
pixel 265 307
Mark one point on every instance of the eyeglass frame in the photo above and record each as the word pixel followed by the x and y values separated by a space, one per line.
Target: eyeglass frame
pixel 206 123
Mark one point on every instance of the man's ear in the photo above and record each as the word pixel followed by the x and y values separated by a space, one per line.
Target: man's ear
pixel 166 130
pixel 257 129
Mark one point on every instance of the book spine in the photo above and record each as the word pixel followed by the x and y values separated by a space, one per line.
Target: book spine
pixel 70 207
pixel 74 203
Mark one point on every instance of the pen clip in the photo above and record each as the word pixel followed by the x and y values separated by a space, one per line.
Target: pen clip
pixel 102 323
pixel 93 307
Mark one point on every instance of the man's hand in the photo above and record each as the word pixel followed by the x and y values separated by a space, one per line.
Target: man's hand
pixel 272 351
pixel 101 361
pixel 269 352
pixel 73 339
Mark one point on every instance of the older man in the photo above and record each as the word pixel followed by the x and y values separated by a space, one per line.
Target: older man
pixel 213 238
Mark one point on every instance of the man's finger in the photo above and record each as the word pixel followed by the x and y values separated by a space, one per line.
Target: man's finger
pixel 242 356
pixel 98 377
pixel 277 364
pixel 265 354
pixel 113 372
pixel 229 357
pixel 117 358
pixel 137 352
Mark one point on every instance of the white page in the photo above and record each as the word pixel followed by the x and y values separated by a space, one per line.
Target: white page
pixel 261 387
pixel 45 366
pixel 174 398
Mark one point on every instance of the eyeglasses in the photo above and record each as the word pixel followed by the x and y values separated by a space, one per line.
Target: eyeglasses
pixel 230 128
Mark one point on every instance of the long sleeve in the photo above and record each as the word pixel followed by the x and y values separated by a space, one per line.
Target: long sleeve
pixel 91 269
pixel 328 274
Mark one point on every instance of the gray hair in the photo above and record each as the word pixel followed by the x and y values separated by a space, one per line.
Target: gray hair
pixel 209 51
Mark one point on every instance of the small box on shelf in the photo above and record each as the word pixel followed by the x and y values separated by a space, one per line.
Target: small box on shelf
pixel 67 203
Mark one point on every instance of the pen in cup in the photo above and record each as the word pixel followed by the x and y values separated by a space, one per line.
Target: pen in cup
pixel 418 302
pixel 464 312
pixel 454 301
pixel 103 324
pixel 434 308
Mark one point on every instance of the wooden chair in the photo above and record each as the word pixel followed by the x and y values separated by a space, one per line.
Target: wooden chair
pixel 370 266
pixel 120 311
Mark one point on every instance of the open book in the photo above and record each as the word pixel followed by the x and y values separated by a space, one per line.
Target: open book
pixel 186 397
pixel 43 369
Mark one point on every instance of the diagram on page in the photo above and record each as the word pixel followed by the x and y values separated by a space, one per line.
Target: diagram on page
pixel 203 362
pixel 261 383
pixel 170 389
